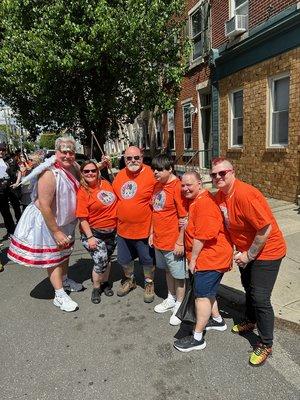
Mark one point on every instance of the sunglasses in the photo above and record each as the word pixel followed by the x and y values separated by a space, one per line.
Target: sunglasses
pixel 130 158
pixel 87 171
pixel 157 169
pixel 220 173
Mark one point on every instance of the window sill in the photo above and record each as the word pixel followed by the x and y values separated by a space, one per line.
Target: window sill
pixel 277 150
pixel 189 152
pixel 235 150
pixel 197 61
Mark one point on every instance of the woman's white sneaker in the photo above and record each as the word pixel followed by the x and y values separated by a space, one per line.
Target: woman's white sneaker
pixel 65 303
pixel 167 305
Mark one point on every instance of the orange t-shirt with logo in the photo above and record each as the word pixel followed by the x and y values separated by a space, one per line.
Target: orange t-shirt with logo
pixel 168 206
pixel 246 211
pixel 134 192
pixel 206 224
pixel 98 205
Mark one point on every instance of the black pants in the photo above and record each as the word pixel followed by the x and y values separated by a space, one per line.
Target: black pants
pixel 15 203
pixel 6 214
pixel 258 279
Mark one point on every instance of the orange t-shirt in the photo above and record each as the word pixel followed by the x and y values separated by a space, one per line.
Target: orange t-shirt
pixel 206 224
pixel 246 211
pixel 98 206
pixel 168 206
pixel 134 191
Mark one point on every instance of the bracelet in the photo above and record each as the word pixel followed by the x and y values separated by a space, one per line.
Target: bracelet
pixel 90 237
pixel 178 244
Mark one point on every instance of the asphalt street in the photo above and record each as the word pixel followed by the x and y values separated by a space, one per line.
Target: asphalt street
pixel 121 349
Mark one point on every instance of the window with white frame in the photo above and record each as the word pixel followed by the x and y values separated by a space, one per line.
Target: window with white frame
pixel 236 125
pixel 171 130
pixel 239 7
pixel 279 110
pixel 199 30
pixel 187 126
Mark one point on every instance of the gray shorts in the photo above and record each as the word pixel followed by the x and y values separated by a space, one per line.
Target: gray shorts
pixel 167 260
pixel 106 244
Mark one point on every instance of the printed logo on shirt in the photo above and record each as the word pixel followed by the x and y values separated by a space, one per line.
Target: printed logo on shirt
pixel 106 198
pixel 159 200
pixel 224 211
pixel 128 190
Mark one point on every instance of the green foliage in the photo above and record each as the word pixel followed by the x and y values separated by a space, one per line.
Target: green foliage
pixel 89 64
pixel 29 146
pixel 47 141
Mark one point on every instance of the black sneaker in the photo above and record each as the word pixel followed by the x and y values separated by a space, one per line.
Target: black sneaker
pixel 188 343
pixel 217 326
pixel 96 296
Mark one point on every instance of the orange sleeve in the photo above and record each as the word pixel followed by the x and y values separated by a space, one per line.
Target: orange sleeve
pixel 180 201
pixel 254 212
pixel 82 202
pixel 207 222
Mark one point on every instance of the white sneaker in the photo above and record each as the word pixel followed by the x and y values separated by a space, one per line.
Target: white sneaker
pixel 71 285
pixel 167 305
pixel 175 320
pixel 65 303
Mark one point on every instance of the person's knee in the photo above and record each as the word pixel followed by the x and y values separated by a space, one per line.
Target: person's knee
pixel 261 297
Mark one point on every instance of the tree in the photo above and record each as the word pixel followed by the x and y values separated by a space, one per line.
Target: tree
pixel 90 64
pixel 47 141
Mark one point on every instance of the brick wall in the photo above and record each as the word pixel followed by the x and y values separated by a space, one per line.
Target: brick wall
pixel 274 171
pixel 259 11
pixel 262 10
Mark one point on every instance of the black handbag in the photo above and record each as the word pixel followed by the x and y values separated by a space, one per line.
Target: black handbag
pixel 186 311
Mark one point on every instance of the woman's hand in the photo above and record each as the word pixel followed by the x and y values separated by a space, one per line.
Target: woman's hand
pixel 192 266
pixel 92 242
pixel 241 259
pixel 178 250
pixel 150 240
pixel 61 239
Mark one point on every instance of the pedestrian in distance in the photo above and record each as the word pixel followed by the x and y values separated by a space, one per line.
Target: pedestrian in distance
pixel 260 247
pixel 167 238
pixel 133 186
pixel 209 253
pixel 96 210
pixel 45 234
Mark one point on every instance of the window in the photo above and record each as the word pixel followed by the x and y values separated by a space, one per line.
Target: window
pixel 236 103
pixel 279 111
pixel 171 130
pixel 239 7
pixel 199 31
pixel 187 126
pixel 159 134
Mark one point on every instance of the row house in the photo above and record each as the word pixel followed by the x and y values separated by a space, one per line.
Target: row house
pixel 240 97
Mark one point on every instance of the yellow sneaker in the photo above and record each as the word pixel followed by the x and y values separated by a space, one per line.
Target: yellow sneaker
pixel 259 355
pixel 243 327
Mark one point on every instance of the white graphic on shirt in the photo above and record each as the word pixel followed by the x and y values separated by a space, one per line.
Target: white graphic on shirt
pixel 224 210
pixel 159 201
pixel 128 190
pixel 106 198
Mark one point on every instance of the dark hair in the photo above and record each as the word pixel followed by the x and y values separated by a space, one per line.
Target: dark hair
pixel 162 162
pixel 82 180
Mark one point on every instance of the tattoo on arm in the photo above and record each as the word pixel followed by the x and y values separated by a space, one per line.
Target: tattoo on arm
pixel 259 241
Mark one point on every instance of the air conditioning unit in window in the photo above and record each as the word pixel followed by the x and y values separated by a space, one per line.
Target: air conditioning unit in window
pixel 236 25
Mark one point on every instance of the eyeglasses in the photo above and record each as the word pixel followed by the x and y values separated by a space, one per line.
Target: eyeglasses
pixel 87 171
pixel 157 169
pixel 129 158
pixel 220 173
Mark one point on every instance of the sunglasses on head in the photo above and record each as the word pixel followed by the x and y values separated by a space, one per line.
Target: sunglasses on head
pixel 130 158
pixel 220 173
pixel 86 171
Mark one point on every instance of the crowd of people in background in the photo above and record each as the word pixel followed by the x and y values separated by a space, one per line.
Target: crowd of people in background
pixel 149 214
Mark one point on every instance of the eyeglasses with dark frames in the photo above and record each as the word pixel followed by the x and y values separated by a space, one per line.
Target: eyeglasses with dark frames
pixel 220 173
pixel 87 171
pixel 130 158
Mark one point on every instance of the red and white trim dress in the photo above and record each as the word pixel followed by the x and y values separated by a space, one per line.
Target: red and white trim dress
pixel 32 244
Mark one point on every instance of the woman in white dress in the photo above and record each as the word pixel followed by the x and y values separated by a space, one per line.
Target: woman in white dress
pixel 45 233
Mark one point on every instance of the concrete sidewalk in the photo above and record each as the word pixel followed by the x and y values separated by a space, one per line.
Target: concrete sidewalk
pixel 286 293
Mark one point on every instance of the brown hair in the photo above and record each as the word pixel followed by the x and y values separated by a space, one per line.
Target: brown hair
pixel 82 180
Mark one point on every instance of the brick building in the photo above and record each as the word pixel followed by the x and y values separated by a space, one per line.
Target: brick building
pixel 240 97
